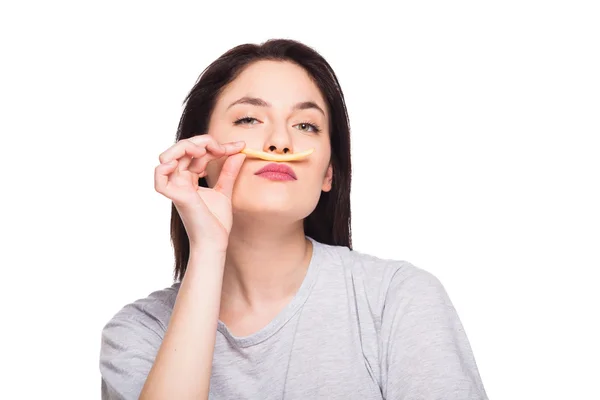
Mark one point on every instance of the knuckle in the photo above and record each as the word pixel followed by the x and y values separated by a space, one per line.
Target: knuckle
pixel 201 139
pixel 191 147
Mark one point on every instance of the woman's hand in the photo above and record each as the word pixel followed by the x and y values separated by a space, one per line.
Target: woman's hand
pixel 206 213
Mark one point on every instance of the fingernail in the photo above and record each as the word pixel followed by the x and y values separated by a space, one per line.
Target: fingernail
pixel 240 143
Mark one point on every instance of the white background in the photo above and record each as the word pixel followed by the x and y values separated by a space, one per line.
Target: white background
pixel 475 139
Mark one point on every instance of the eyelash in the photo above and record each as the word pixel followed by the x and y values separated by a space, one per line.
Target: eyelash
pixel 315 127
pixel 239 121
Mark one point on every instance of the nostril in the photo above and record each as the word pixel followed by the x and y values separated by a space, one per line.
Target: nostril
pixel 274 148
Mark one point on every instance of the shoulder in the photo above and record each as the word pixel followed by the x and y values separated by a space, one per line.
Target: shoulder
pixel 384 283
pixel 152 311
pixel 130 342
pixel 378 274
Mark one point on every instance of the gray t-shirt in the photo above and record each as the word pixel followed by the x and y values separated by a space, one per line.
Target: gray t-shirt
pixel 359 327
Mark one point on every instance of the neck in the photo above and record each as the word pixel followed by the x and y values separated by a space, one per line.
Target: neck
pixel 265 263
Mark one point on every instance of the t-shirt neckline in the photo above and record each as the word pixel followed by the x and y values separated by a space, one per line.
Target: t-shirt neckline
pixel 282 318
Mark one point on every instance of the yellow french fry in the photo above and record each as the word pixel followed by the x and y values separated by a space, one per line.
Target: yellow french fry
pixel 277 157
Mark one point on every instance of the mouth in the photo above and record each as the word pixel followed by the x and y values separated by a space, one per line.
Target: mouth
pixel 277 172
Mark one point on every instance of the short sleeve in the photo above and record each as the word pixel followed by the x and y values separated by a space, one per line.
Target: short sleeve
pixel 130 342
pixel 425 350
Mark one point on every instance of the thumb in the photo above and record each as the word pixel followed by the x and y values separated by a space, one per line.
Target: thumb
pixel 229 173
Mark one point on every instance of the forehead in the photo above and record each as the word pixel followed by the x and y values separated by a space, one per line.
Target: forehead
pixel 280 83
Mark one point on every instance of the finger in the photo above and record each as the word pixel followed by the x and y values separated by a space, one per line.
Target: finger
pixel 198 147
pixel 218 148
pixel 209 142
pixel 180 149
pixel 194 146
pixel 198 165
pixel 161 175
pixel 229 173
pixel 229 148
pixel 184 162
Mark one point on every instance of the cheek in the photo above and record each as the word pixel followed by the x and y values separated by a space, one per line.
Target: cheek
pixel 223 130
pixel 324 163
pixel 314 178
pixel 219 130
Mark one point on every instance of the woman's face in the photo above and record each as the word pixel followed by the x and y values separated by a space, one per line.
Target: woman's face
pixel 275 107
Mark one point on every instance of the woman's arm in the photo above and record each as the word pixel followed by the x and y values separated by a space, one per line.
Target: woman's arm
pixel 182 367
pixel 183 362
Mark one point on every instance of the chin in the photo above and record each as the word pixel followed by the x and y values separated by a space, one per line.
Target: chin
pixel 273 203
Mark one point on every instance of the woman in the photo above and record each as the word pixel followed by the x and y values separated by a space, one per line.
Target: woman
pixel 270 300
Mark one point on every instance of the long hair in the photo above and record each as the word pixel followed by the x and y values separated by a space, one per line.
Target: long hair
pixel 329 223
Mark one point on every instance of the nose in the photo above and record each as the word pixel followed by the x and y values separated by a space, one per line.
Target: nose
pixel 278 142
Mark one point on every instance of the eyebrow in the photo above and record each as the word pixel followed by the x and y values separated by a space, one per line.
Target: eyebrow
pixel 255 101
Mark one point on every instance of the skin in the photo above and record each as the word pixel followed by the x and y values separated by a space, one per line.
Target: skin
pixel 268 214
pixel 248 252
pixel 282 85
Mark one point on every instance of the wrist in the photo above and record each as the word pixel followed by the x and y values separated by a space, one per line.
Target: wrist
pixel 208 247
pixel 205 255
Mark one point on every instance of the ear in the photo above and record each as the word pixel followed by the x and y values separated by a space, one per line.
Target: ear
pixel 327 180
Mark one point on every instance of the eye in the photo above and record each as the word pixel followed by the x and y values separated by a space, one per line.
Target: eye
pixel 308 127
pixel 246 121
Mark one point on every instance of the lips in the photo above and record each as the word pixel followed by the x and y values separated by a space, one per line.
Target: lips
pixel 277 170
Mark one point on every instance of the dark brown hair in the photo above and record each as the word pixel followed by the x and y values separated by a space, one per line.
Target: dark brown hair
pixel 330 221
